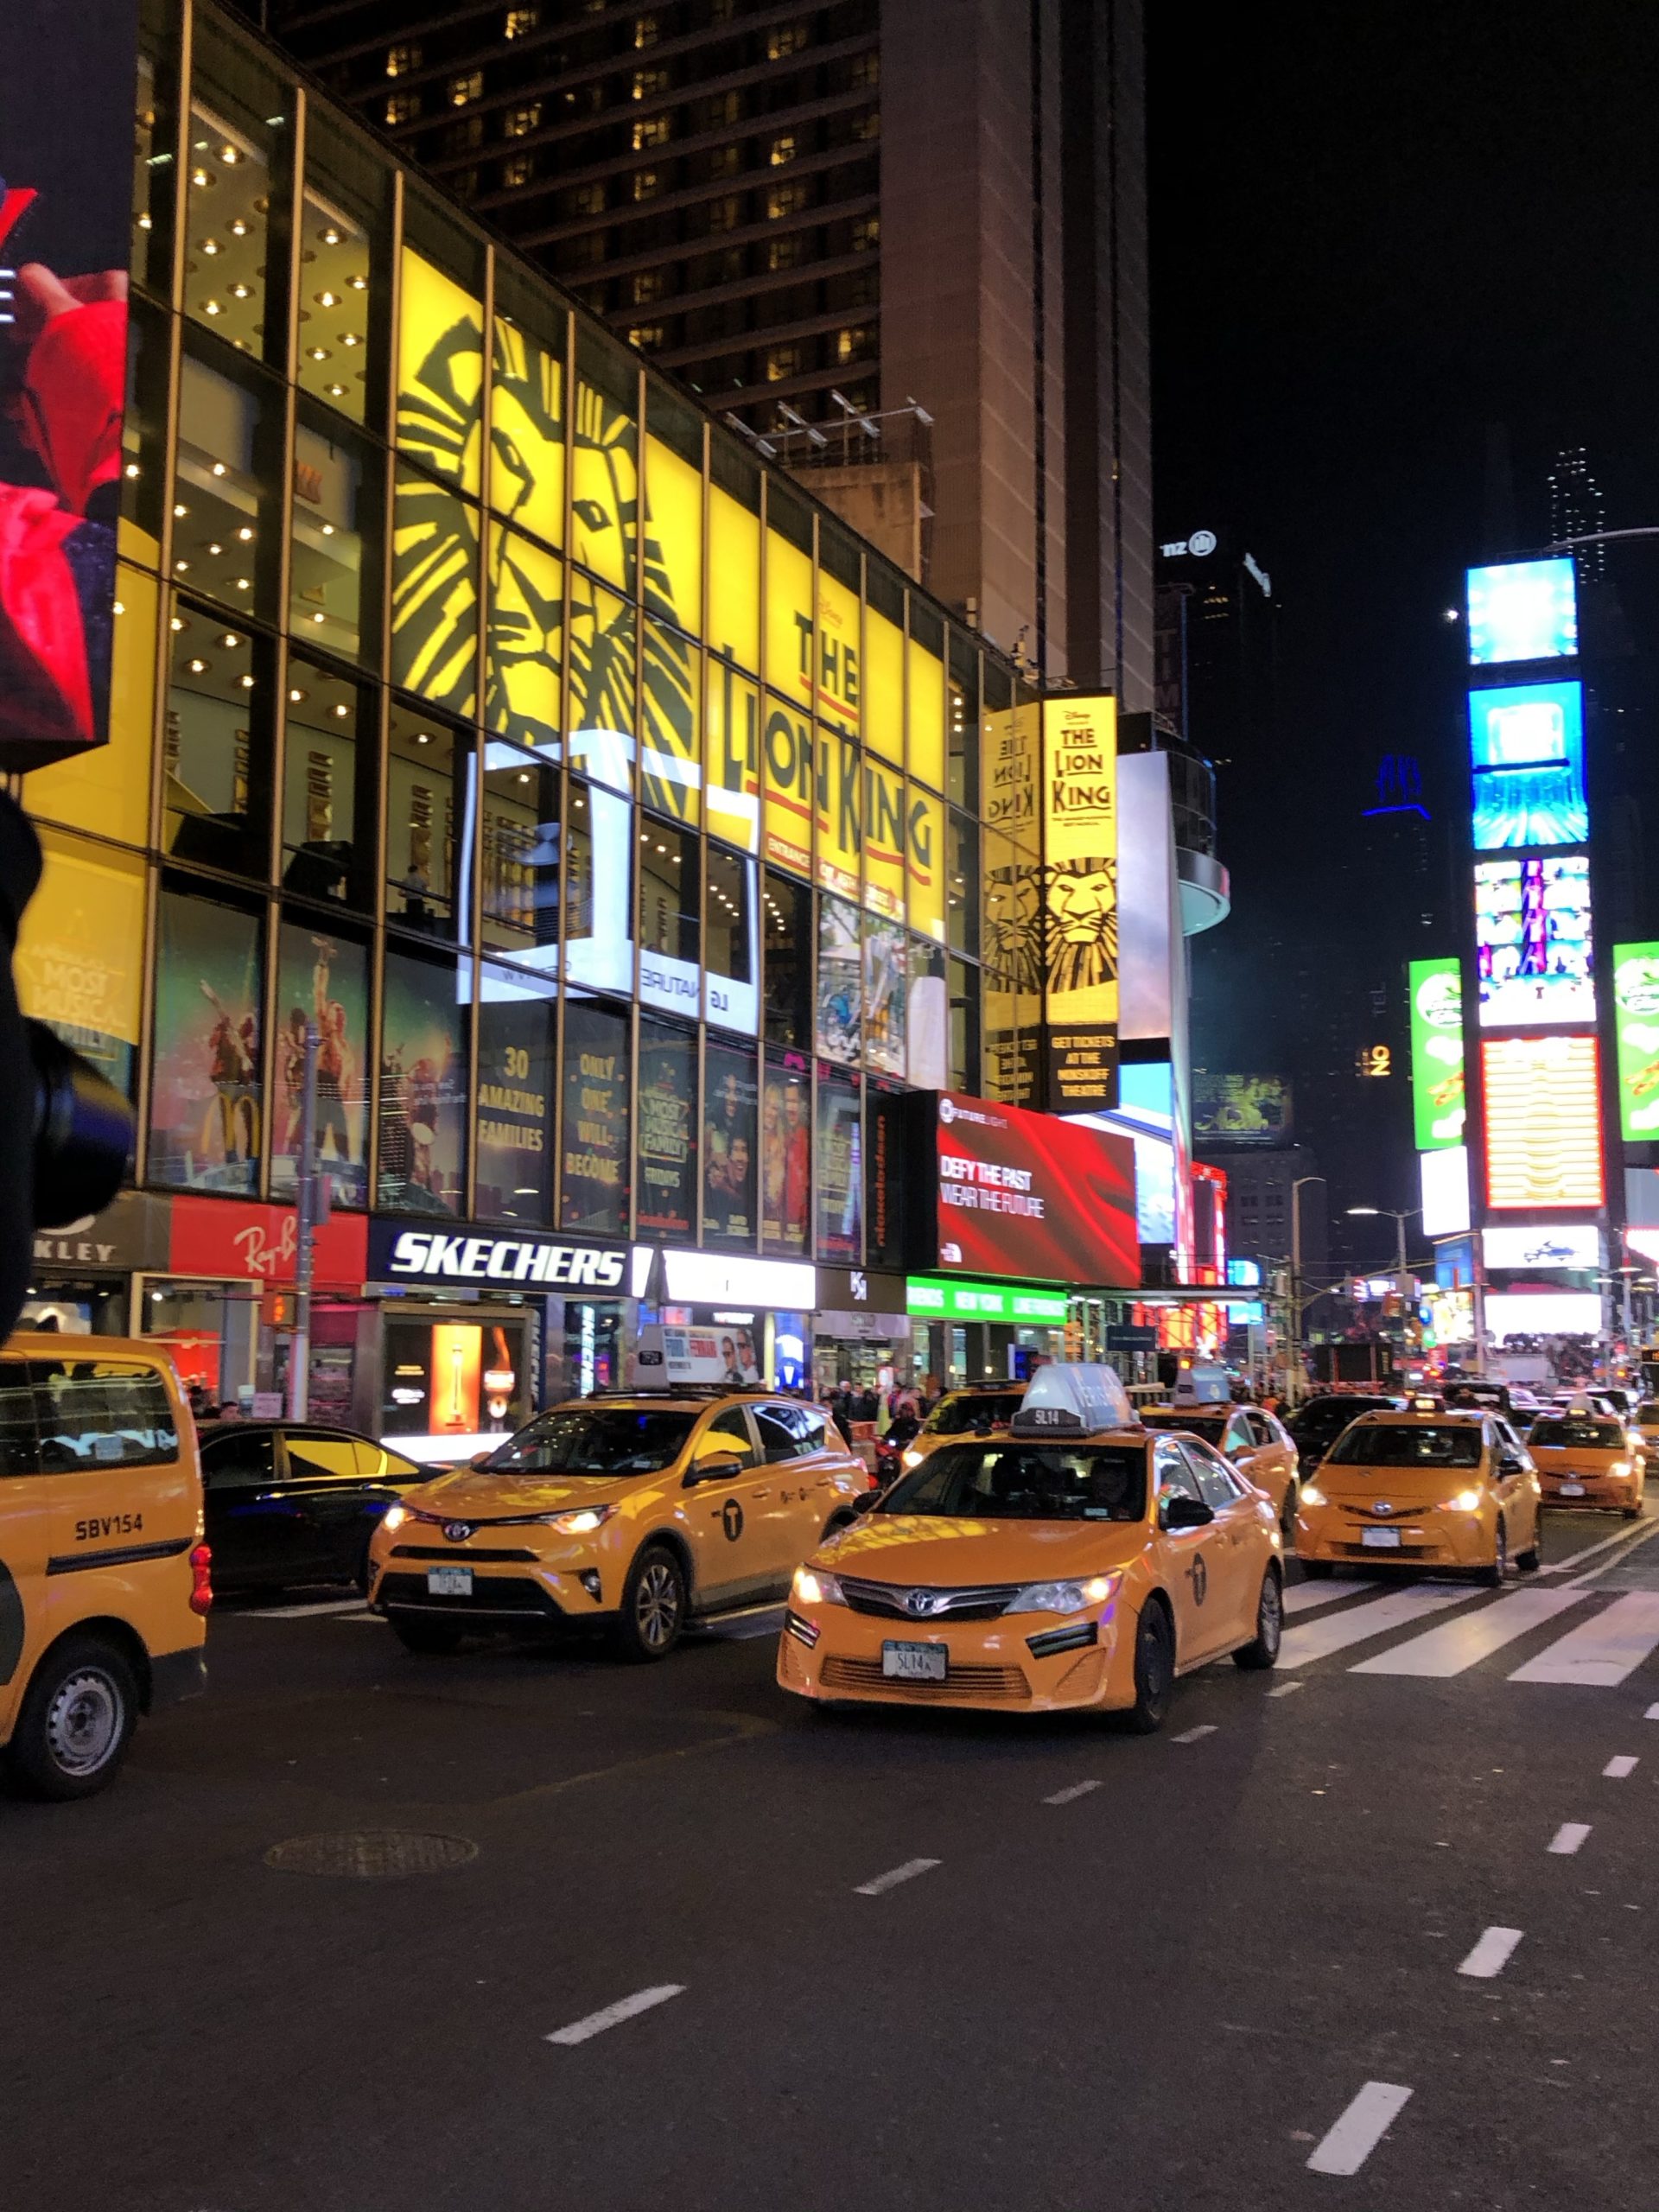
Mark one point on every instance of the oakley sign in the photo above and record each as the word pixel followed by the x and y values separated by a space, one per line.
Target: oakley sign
pixel 400 1255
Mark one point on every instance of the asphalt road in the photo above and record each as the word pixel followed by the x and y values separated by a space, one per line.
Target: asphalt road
pixel 1153 1976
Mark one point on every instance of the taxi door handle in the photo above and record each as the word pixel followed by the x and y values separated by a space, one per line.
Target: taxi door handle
pixel 758 1494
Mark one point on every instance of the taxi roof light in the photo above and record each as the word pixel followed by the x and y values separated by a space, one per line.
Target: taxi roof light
pixel 1074 1397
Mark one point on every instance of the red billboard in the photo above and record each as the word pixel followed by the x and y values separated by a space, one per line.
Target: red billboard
pixel 1033 1196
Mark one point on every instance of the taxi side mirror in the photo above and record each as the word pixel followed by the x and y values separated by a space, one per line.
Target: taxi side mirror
pixel 1511 1465
pixel 719 1469
pixel 1178 1512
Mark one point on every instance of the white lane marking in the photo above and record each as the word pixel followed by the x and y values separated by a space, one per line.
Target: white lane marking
pixel 1491 1954
pixel 1567 1837
pixel 1631 1540
pixel 1303 1597
pixel 1284 1689
pixel 1067 1796
pixel 1455 1646
pixel 1593 1551
pixel 894 1875
pixel 1652 1712
pixel 1600 1652
pixel 1617 1768
pixel 305 1612
pixel 1319 1639
pixel 1191 1735
pixel 625 2008
pixel 1352 2139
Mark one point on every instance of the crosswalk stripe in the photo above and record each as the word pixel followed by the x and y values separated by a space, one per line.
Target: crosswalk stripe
pixel 1303 1597
pixel 1454 1646
pixel 1336 1631
pixel 1601 1651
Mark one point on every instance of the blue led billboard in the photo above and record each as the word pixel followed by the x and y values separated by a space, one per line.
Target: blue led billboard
pixel 1526 741
pixel 1523 610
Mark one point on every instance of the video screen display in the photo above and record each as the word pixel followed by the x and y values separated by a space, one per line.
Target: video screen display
pixel 1031 1195
pixel 1543 1130
pixel 1636 1013
pixel 1523 610
pixel 1526 741
pixel 1532 942
pixel 1437 1089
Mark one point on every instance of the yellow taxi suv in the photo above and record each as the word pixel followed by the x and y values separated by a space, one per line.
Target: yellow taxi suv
pixel 104 1576
pixel 1080 1563
pixel 1587 1459
pixel 637 1513
pixel 984 1410
pixel 1251 1441
pixel 1421 1491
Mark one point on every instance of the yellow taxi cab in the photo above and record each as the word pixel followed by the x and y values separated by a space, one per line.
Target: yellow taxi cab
pixel 1080 1562
pixel 1644 1425
pixel 104 1576
pixel 1251 1441
pixel 1587 1458
pixel 1422 1489
pixel 637 1511
pixel 984 1409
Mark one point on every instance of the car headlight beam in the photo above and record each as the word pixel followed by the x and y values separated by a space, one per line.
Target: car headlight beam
pixel 1467 1501
pixel 579 1521
pixel 1312 1494
pixel 394 1516
pixel 816 1586
pixel 1064 1597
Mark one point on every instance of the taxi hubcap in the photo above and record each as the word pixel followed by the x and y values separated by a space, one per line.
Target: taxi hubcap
pixel 659 1605
pixel 84 1723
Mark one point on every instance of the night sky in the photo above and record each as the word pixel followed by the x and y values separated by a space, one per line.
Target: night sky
pixel 1377 230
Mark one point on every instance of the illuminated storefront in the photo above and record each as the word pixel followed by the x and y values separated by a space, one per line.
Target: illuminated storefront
pixel 632 833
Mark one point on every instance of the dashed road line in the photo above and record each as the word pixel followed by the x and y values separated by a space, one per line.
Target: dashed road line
pixel 1352 2138
pixel 1191 1735
pixel 625 2008
pixel 1652 1712
pixel 1567 1837
pixel 1617 1768
pixel 306 1613
pixel 1067 1796
pixel 1491 1954
pixel 1284 1689
pixel 894 1875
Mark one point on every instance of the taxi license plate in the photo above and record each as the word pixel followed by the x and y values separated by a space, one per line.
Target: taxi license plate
pixel 449 1581
pixel 1572 1490
pixel 1381 1540
pixel 915 1662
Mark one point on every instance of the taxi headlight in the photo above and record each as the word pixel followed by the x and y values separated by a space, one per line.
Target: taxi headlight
pixel 1064 1597
pixel 1312 1494
pixel 394 1516
pixel 911 1458
pixel 581 1520
pixel 814 1586
pixel 1467 1501
pixel 1620 1467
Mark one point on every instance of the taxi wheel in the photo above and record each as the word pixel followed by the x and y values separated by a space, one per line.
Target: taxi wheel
pixel 1287 1516
pixel 1492 1577
pixel 76 1721
pixel 1262 1651
pixel 653 1605
pixel 1154 1671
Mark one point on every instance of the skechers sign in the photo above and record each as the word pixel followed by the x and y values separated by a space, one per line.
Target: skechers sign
pixel 423 1256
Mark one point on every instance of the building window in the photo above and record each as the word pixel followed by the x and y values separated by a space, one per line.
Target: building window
pixel 724 161
pixel 785 199
pixel 725 108
pixel 865 68
pixel 787 39
pixel 517 122
pixel 853 345
pixel 469 87
pixel 648 183
pixel 520 21
pixel 400 59
pixel 868 126
pixel 590 199
pixel 518 171
pixel 652 130
pixel 465 137
pixel 782 361
pixel 647 83
pixel 647 286
pixel 866 234
pixel 647 336
pixel 723 214
pixel 781 149
pixel 402 107
pixel 782 253
pixel 648 30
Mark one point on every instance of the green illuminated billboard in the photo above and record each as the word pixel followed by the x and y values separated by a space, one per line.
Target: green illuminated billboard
pixel 1437 1053
pixel 1636 1013
pixel 985 1301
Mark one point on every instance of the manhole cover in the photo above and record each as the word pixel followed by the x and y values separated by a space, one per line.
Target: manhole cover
pixel 374 1851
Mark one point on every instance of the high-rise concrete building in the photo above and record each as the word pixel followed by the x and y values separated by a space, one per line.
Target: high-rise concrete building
pixel 901 241
pixel 1576 510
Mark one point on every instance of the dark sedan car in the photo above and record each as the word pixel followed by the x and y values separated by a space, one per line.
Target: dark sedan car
pixel 1316 1425
pixel 296 1503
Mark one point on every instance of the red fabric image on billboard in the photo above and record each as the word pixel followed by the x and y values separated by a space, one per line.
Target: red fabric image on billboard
pixel 1030 1195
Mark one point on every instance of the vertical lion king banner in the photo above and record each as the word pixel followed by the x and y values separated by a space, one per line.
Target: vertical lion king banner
pixel 1080 902
pixel 67 96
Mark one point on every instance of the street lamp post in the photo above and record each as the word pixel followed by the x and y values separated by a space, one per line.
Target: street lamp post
pixel 1295 1378
pixel 1400 1216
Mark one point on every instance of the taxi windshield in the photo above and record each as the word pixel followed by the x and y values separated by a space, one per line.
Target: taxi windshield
pixel 596 1440
pixel 1021 1481
pixel 1586 1435
pixel 965 1411
pixel 1418 1444
pixel 1206 1421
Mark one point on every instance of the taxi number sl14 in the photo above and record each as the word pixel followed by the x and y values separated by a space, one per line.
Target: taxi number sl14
pixel 449 1581
pixel 1381 1540
pixel 915 1662
pixel 1570 1490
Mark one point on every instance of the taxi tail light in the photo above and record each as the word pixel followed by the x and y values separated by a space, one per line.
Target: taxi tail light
pixel 201 1583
